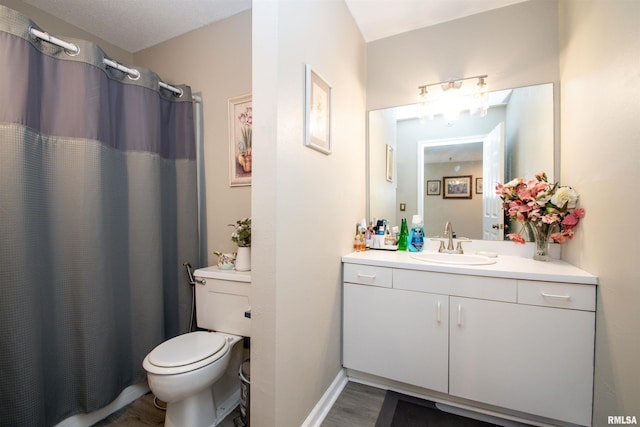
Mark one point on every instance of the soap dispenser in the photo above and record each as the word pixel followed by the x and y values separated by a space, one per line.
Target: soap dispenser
pixel 416 235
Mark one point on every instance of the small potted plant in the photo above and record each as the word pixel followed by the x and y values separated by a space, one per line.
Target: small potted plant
pixel 242 237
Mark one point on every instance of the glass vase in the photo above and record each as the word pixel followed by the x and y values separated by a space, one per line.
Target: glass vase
pixel 541 237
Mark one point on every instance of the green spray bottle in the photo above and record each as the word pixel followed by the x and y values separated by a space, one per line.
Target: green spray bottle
pixel 404 236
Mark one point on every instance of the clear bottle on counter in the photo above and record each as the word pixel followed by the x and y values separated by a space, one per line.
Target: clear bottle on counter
pixel 359 243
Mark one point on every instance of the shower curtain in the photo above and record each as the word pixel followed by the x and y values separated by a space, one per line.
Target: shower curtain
pixel 98 211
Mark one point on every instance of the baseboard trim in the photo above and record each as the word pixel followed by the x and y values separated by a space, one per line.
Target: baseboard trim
pixel 322 408
pixel 127 396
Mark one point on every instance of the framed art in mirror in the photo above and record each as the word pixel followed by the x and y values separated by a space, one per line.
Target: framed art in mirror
pixel 433 187
pixel 457 187
pixel 317 112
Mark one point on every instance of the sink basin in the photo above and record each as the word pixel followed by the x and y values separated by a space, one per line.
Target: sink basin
pixel 457 259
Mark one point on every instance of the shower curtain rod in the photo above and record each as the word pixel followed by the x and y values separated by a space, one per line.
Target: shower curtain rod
pixel 72 49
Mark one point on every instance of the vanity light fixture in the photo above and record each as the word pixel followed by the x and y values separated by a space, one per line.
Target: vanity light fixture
pixel 480 102
pixel 450 97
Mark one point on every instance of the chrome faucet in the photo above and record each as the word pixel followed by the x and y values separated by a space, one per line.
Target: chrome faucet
pixel 448 232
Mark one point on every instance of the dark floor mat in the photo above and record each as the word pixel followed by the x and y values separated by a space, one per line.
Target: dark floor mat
pixel 399 410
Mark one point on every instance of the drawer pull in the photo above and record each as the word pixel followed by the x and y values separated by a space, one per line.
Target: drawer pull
pixel 546 295
pixel 438 312
pixel 366 276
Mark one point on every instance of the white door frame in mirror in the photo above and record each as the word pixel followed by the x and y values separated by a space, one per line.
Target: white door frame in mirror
pixel 435 143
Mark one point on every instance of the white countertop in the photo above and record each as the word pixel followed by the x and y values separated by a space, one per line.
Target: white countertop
pixel 507 266
pixel 214 272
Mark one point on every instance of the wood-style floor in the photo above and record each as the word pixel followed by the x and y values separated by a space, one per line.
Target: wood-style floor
pixel 143 412
pixel 357 406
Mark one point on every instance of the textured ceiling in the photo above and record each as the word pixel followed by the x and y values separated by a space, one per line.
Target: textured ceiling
pixel 134 25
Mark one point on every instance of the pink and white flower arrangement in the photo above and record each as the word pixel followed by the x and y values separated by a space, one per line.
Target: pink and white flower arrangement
pixel 539 203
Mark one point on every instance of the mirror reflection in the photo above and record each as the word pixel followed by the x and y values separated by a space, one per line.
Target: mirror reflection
pixel 446 170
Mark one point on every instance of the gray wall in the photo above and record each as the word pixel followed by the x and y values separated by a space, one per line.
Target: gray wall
pixel 600 153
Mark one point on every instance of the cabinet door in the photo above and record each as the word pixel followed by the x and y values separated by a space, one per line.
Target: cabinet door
pixel 396 334
pixel 537 360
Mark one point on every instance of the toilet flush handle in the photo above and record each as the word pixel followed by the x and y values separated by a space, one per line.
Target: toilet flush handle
pixel 192 280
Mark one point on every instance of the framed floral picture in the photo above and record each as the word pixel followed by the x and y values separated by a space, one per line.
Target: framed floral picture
pixel 479 183
pixel 457 187
pixel 317 112
pixel 240 140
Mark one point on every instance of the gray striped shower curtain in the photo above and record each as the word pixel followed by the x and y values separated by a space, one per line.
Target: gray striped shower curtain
pixel 98 211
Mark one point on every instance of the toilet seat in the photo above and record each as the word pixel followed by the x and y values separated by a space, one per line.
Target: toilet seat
pixel 186 353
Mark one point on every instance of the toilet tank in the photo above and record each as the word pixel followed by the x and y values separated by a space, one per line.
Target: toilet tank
pixel 222 299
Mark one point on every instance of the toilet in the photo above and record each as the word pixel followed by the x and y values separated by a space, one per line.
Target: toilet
pixel 196 373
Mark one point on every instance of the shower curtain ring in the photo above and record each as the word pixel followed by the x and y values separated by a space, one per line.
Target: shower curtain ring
pixel 134 74
pixel 71 52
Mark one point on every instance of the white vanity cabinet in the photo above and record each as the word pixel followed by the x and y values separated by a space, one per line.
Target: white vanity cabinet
pixel 506 340
pixel 537 360
pixel 396 334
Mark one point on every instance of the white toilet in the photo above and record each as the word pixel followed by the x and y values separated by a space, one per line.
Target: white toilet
pixel 196 373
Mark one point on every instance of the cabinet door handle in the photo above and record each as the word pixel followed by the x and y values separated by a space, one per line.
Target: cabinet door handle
pixel 438 312
pixel 546 295
pixel 459 315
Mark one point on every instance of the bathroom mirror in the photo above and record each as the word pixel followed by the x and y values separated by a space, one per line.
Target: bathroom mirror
pixel 442 168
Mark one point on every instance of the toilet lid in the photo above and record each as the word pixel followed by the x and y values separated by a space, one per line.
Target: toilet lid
pixel 186 349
